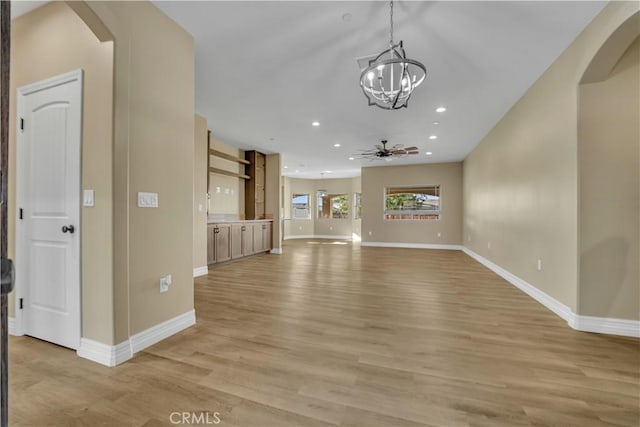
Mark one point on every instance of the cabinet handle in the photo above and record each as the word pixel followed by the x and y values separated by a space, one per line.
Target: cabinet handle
pixel 216 230
pixel 244 228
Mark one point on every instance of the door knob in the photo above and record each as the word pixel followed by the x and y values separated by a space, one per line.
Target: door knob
pixel 68 229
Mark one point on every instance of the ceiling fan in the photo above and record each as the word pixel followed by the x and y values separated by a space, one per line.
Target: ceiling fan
pixel 382 152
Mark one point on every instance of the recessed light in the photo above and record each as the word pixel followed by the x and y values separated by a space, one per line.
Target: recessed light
pixel 428 153
pixel 352 158
pixel 433 137
pixel 347 17
pixel 436 123
pixel 286 167
pixel 336 145
pixel 297 171
pixel 315 123
pixel 441 109
pixel 328 171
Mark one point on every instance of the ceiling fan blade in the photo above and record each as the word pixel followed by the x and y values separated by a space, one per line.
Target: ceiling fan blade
pixel 411 148
pixel 398 152
pixel 413 152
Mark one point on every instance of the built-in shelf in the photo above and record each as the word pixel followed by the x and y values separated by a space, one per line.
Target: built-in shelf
pixel 227 156
pixel 225 172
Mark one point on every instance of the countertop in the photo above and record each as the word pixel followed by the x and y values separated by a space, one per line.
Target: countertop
pixel 235 221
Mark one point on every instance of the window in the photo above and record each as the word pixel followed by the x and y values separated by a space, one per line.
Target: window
pixel 357 206
pixel 415 203
pixel 300 208
pixel 332 206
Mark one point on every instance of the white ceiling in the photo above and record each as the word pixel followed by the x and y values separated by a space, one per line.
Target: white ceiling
pixel 20 7
pixel 265 70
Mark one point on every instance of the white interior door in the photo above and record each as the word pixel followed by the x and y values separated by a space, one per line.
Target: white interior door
pixel 48 201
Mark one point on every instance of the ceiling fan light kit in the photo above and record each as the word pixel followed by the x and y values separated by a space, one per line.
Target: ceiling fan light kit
pixel 391 77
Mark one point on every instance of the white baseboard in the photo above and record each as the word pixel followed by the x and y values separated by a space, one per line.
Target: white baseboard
pixel 543 298
pixel 157 333
pixel 411 245
pixel 317 236
pixel 200 271
pixel 332 237
pixel 300 236
pixel 104 354
pixel 276 251
pixel 603 325
pixel 112 355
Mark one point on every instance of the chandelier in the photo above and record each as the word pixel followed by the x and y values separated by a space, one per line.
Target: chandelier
pixel 391 77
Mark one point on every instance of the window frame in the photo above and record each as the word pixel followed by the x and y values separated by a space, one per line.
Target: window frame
pixel 293 206
pixel 330 197
pixel 413 212
pixel 357 205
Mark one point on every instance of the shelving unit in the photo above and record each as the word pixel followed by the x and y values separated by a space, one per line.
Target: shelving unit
pixel 220 154
pixel 254 186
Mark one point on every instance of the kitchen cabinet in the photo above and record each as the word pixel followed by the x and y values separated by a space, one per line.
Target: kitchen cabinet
pixel 218 243
pixel 261 237
pixel 234 240
pixel 241 240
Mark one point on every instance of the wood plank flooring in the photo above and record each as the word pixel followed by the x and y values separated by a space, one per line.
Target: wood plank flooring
pixel 332 334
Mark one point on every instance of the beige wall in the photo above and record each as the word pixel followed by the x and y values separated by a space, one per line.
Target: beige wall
pixel 153 151
pixel 272 198
pixel 47 42
pixel 610 192
pixel 200 193
pixel 314 226
pixel 521 181
pixel 333 227
pixel 356 224
pixel 227 192
pixel 376 229
pixel 298 227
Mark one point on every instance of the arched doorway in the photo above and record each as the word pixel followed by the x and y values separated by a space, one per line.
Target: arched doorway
pixel 609 179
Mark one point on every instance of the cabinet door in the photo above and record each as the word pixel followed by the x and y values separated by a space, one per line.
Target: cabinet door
pixel 236 241
pixel 247 240
pixel 223 242
pixel 266 237
pixel 257 238
pixel 211 248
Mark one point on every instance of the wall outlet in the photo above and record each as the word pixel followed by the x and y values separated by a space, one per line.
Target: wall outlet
pixel 370 233
pixel 147 200
pixel 300 227
pixel 165 282
pixel 488 245
pixel 439 234
pixel 469 238
pixel 330 228
pixel 539 266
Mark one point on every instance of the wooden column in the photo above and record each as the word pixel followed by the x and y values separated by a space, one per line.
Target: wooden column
pixel 5 37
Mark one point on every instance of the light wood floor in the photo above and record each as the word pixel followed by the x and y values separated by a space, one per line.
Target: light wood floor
pixel 334 334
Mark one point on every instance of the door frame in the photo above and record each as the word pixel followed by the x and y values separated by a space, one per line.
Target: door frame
pixel 20 246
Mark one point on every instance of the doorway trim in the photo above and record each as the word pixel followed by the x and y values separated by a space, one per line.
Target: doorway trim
pixel 20 247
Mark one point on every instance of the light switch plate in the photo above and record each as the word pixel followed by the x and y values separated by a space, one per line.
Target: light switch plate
pixel 88 199
pixel 147 200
